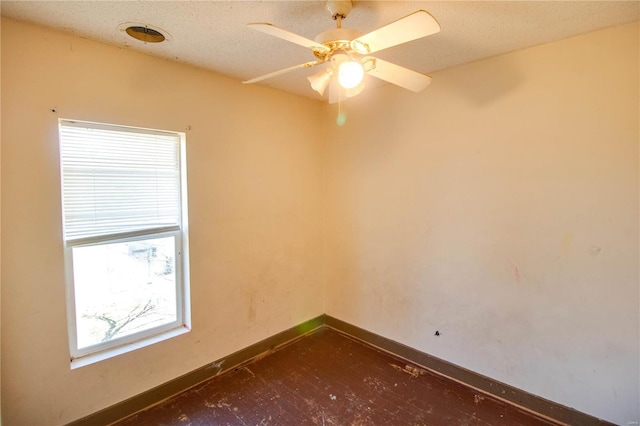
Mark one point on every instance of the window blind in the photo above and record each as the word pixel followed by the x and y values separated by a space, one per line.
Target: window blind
pixel 118 180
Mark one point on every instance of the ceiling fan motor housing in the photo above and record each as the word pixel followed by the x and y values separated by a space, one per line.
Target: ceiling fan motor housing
pixel 339 8
pixel 337 34
pixel 336 39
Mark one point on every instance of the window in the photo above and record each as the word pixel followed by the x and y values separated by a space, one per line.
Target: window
pixel 125 236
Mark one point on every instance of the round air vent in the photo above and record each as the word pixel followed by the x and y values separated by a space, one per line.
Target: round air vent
pixel 144 32
pixel 148 35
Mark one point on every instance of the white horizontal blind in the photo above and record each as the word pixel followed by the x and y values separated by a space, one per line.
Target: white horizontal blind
pixel 118 180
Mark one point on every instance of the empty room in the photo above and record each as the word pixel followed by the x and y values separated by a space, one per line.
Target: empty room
pixel 310 212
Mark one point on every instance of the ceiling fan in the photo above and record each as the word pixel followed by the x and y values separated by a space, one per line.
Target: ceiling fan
pixel 346 53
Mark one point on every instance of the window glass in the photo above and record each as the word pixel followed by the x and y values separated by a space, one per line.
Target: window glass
pixel 123 288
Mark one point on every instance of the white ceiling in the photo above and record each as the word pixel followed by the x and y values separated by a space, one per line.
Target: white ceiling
pixel 213 34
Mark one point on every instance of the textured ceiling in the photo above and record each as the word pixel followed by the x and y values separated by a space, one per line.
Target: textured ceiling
pixel 213 34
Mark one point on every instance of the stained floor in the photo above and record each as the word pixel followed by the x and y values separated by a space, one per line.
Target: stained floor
pixel 327 378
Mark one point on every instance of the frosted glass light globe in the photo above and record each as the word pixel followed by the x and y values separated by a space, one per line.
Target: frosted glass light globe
pixel 350 74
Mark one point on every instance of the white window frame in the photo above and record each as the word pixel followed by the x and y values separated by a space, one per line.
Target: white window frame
pixel 118 345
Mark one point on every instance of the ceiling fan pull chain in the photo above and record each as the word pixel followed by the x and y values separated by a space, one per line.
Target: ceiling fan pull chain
pixel 342 117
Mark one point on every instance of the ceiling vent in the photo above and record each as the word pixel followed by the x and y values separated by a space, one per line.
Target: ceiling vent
pixel 144 32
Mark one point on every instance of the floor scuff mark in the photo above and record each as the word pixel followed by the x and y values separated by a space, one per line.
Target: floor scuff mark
pixel 410 370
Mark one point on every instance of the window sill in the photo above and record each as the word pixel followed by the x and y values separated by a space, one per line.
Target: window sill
pixel 128 347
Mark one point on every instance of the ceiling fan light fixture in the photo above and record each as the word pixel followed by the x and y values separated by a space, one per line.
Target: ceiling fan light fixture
pixel 320 80
pixel 355 90
pixel 350 74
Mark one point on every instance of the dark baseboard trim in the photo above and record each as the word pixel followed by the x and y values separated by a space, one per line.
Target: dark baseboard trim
pixel 166 390
pixel 520 398
pixel 510 394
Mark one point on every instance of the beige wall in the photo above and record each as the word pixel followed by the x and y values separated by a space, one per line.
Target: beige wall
pixel 254 173
pixel 0 244
pixel 500 207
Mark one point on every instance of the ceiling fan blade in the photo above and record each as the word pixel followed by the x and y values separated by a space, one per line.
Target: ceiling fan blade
pixel 400 76
pixel 283 71
pixel 417 25
pixel 288 36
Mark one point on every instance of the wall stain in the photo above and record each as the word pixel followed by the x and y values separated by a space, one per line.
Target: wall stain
pixel 516 273
pixel 252 310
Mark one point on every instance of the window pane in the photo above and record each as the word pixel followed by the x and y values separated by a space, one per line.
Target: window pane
pixel 123 288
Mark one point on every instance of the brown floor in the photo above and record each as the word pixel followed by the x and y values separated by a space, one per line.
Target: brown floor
pixel 327 378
